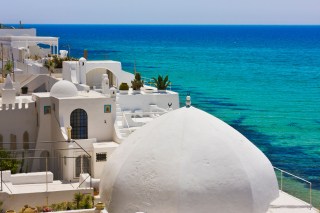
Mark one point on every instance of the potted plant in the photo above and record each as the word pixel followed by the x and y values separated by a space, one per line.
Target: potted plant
pixel 124 87
pixel 24 90
pixel 137 83
pixel 161 83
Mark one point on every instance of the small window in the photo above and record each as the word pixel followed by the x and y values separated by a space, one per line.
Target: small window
pixel 47 110
pixel 101 157
pixel 107 108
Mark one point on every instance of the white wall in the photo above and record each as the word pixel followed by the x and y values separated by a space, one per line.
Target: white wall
pixel 114 66
pixel 17 201
pixel 100 124
pixel 143 101
pixel 101 148
pixel 100 128
pixel 31 178
pixel 18 32
pixel 17 121
pixel 44 132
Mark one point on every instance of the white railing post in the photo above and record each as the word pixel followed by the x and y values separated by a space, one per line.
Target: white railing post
pixel 281 180
pixel 310 195
pixel 124 116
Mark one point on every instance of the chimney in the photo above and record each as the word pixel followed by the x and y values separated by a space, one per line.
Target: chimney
pixel 85 54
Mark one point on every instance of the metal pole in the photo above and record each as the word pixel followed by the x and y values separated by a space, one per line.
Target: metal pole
pixel 1 179
pixel 2 59
pixel 47 178
pixel 310 195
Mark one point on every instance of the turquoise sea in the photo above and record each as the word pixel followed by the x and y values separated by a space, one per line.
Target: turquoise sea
pixel 262 80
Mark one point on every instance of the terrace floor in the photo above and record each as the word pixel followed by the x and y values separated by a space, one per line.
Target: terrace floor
pixel 286 203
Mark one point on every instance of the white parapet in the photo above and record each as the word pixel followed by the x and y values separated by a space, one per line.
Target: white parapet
pixel 27 178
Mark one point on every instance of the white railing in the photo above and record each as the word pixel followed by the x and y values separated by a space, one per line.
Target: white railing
pixel 142 114
pixel 2 182
pixel 296 177
pixel 148 81
pixel 124 117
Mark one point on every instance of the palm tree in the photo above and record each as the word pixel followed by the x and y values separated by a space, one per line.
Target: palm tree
pixel 8 67
pixel 161 83
pixel 50 65
pixel 77 199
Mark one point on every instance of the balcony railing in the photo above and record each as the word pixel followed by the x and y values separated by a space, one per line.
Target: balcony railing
pixel 288 183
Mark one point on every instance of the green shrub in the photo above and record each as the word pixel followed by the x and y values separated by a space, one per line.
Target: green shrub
pixel 137 83
pixel 8 164
pixel 124 86
pixel 8 67
pixel 80 201
pixel 161 83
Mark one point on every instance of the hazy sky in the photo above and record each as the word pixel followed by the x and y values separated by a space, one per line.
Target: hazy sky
pixel 161 11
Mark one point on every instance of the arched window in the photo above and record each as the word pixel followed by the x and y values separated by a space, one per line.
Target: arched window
pixel 1 141
pixel 25 140
pixel 82 165
pixel 79 124
pixel 13 142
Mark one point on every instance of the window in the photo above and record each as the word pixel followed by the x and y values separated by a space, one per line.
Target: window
pixel 107 108
pixel 82 165
pixel 79 124
pixel 47 110
pixel 101 157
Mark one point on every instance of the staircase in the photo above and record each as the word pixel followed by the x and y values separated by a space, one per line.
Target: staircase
pixel 28 80
pixel 122 131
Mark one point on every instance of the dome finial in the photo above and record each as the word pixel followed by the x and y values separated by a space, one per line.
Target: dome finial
pixel 188 100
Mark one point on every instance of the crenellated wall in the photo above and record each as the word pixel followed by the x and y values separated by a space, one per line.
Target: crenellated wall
pixel 18 123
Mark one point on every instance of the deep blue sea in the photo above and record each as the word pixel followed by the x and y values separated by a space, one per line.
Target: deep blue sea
pixel 262 80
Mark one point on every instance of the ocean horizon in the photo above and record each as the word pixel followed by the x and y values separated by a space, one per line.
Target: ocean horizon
pixel 263 80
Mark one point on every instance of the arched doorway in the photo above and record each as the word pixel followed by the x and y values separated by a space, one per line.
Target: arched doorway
pixel 111 78
pixel 79 124
pixel 94 77
pixel 83 165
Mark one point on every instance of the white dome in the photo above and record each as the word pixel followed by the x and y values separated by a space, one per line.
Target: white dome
pixel 82 59
pixel 188 161
pixel 63 89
